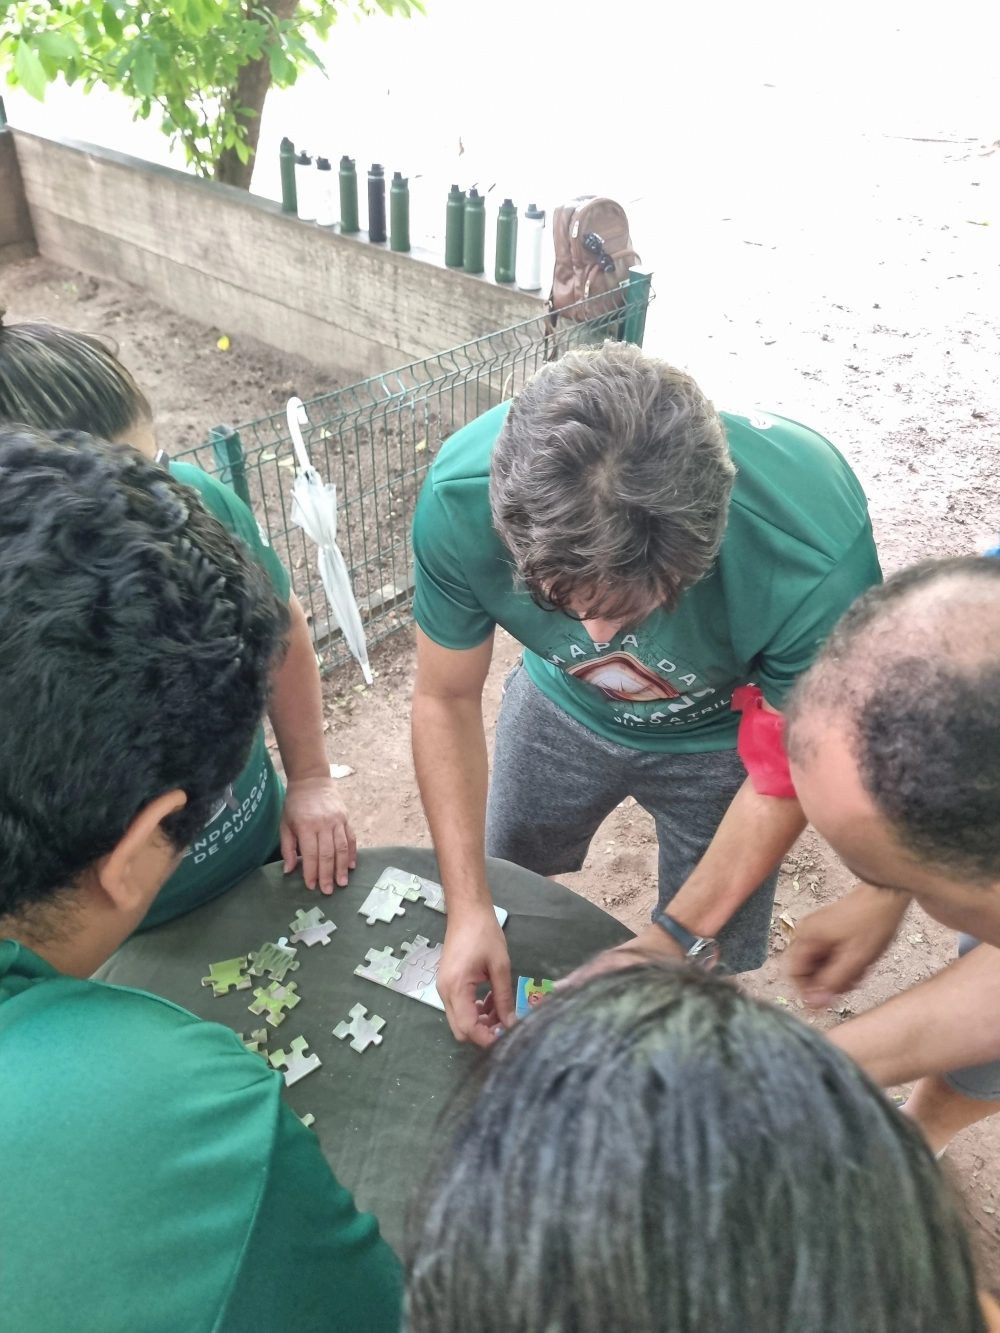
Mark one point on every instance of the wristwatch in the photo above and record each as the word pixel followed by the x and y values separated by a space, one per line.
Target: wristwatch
pixel 702 950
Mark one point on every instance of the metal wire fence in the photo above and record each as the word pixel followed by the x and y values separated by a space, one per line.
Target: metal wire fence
pixel 376 440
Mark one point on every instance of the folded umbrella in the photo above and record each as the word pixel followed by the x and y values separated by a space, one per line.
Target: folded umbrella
pixel 314 509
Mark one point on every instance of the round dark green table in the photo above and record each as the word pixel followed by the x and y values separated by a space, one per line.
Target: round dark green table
pixel 382 1116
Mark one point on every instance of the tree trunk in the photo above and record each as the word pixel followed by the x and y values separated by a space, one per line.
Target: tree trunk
pixel 252 85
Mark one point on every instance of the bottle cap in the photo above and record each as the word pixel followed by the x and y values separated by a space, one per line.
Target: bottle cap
pixel 287 146
pixel 508 206
pixel 347 163
pixel 399 181
pixel 474 195
pixel 376 169
pixel 323 163
pixel 303 160
pixel 535 213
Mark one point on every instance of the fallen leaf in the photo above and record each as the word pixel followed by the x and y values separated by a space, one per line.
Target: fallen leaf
pixel 780 999
pixel 786 927
pixel 419 448
pixel 340 770
pixel 915 939
pixel 988 1209
pixel 223 344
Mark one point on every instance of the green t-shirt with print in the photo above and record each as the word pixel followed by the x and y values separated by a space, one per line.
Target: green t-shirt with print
pixel 798 549
pixel 153 1178
pixel 244 829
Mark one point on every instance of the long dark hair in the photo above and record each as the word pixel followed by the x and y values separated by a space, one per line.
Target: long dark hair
pixel 656 1152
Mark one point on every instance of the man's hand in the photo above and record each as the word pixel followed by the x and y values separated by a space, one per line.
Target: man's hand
pixel 475 951
pixel 834 946
pixel 314 823
pixel 651 945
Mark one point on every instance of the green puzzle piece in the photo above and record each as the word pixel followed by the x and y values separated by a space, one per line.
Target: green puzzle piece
pixel 274 1001
pixel 277 960
pixel 224 976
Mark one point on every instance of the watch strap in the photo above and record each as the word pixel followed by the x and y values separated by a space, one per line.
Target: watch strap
pixel 680 933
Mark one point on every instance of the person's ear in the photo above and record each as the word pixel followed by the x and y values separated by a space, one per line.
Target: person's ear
pixel 991 1312
pixel 143 858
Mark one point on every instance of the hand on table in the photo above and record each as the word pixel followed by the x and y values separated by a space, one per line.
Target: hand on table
pixel 314 823
pixel 651 945
pixel 835 945
pixel 475 951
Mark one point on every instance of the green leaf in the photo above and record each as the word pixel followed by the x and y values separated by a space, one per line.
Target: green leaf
pixel 30 74
pixel 112 23
pixel 144 71
pixel 57 45
pixel 91 28
pixel 282 69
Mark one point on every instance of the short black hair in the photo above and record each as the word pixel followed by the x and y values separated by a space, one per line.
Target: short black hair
pixel 136 643
pixel 918 686
pixel 656 1152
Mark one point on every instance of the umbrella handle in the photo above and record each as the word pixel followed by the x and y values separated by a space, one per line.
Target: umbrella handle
pixel 296 414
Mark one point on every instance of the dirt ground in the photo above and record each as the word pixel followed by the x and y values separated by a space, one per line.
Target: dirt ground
pixel 911 401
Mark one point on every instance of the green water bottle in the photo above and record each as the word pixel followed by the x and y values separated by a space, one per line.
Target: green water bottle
pixel 289 198
pixel 454 228
pixel 474 240
pixel 399 212
pixel 506 242
pixel 348 196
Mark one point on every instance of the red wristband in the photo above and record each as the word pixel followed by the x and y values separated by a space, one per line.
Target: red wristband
pixel 759 744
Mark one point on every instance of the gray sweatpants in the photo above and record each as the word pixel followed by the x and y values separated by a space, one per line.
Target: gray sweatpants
pixel 981 1082
pixel 554 781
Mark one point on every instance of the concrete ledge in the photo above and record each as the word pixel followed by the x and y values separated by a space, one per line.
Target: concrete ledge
pixel 234 260
pixel 17 240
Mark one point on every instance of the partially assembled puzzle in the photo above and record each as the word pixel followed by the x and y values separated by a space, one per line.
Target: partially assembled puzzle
pixel 394 887
pixel 415 974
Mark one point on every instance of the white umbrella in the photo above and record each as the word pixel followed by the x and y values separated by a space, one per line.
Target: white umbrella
pixel 314 508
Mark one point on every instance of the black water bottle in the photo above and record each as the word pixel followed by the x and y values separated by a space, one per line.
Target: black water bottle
pixel 376 203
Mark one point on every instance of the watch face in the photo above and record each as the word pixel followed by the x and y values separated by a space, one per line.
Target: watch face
pixel 706 953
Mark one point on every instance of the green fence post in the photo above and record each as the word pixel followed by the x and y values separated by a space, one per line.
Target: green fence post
pixel 636 286
pixel 228 450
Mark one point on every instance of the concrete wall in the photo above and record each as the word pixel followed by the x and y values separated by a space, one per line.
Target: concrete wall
pixel 233 260
pixel 17 240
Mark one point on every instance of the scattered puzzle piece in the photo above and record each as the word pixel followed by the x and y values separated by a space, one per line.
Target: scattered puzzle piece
pixel 277 960
pixel 363 1031
pixel 274 1001
pixel 308 1119
pixel 531 993
pixel 415 974
pixel 297 1063
pixel 224 976
pixel 256 1042
pixel 309 928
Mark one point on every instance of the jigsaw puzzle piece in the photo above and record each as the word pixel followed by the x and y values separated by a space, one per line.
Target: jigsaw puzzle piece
pixel 277 960
pixel 297 1064
pixel 363 1031
pixel 309 928
pixel 274 1001
pixel 400 882
pixel 418 970
pixel 382 904
pixel 531 993
pixel 223 977
pixel 256 1042
pixel 381 967
pixel 308 1119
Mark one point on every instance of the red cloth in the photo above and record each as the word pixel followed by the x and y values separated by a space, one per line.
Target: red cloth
pixel 759 744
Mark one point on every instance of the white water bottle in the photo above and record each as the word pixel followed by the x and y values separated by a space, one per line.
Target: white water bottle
pixel 528 268
pixel 326 206
pixel 305 189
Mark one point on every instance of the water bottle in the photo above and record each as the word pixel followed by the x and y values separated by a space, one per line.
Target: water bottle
pixel 348 196
pixel 529 249
pixel 454 228
pixel 474 240
pixel 289 198
pixel 326 213
pixel 376 203
pixel 305 187
pixel 399 212
pixel 506 242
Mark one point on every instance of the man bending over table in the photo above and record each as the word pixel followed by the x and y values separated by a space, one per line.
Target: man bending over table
pixel 652 555
pixel 152 1177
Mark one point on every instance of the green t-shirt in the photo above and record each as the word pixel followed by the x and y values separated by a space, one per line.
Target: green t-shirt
pixel 152 1177
pixel 798 549
pixel 244 830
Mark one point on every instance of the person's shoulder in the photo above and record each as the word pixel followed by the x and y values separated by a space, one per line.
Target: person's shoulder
pixel 227 507
pixel 465 456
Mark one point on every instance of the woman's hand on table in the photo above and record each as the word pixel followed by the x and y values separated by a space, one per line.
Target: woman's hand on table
pixel 315 825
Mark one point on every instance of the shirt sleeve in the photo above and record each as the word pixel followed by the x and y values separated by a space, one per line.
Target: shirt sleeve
pixel 444 604
pixel 794 646
pixel 234 515
pixel 312 1261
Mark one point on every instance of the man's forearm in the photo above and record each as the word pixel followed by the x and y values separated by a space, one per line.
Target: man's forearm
pixel 755 833
pixel 296 704
pixel 449 754
pixel 948 1022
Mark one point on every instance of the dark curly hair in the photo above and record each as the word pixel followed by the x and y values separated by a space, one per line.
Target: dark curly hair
pixel 913 670
pixel 137 639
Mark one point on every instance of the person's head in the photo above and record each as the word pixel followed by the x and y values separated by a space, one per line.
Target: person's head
pixel 55 379
pixel 655 1152
pixel 610 486
pixel 137 639
pixel 894 739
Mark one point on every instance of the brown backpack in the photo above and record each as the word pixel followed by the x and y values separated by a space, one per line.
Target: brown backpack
pixel 593 255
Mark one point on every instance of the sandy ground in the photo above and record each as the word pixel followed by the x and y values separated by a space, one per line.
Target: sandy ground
pixel 898 367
